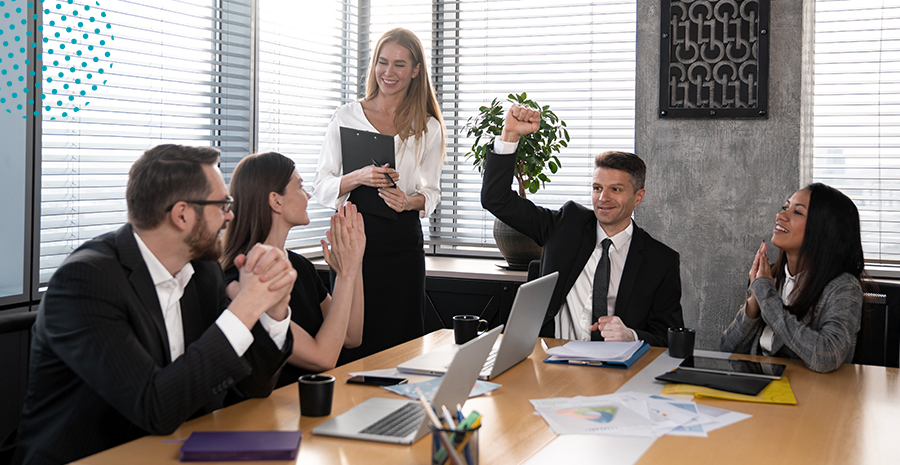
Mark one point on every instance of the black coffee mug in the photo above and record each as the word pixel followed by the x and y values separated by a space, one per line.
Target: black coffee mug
pixel 316 393
pixel 467 327
pixel 681 342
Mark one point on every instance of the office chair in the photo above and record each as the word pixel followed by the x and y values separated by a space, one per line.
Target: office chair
pixel 872 340
pixel 10 324
pixel 534 270
pixel 15 322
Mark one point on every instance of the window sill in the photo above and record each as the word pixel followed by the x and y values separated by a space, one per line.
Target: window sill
pixel 460 268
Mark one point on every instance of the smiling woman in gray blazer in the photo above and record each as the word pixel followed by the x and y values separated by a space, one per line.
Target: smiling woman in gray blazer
pixel 807 305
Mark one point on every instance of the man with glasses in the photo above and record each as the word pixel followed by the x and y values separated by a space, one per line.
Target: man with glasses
pixel 135 333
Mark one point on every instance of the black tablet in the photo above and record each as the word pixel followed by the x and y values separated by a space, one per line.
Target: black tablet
pixel 733 367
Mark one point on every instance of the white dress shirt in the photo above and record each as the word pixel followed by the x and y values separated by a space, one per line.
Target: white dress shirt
pixel 418 161
pixel 575 315
pixel 169 290
pixel 575 318
pixel 767 336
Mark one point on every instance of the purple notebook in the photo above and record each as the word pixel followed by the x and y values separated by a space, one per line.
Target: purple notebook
pixel 209 446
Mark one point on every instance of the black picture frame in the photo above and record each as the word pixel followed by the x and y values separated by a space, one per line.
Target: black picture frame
pixel 706 66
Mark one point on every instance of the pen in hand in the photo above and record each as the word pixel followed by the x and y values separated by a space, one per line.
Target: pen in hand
pixel 389 178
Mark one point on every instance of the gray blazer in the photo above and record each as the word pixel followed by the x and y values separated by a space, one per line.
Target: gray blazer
pixel 823 344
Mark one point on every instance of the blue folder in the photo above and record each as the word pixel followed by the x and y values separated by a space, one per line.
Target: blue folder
pixel 600 363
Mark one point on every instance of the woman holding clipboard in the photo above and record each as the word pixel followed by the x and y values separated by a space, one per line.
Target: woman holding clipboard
pixel 399 103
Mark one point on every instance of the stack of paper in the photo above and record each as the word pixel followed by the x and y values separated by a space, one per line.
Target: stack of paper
pixel 598 353
pixel 632 414
pixel 595 350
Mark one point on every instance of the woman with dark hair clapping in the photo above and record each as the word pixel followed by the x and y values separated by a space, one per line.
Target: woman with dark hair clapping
pixel 807 305
pixel 269 200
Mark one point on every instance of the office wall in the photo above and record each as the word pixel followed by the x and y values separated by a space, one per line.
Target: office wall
pixel 714 186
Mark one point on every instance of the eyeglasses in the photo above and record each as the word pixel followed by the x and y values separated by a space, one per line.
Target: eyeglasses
pixel 225 205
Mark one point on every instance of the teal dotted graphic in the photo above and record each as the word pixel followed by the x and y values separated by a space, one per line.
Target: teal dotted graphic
pixel 71 56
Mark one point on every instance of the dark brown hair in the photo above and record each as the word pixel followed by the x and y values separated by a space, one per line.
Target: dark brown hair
pixel 254 178
pixel 163 176
pixel 624 161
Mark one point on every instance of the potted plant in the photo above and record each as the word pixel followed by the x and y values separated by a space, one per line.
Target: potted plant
pixel 536 153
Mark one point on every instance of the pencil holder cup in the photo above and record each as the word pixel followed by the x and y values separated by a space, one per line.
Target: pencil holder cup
pixel 464 440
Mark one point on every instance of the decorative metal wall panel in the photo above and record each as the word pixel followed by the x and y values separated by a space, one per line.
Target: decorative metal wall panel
pixel 714 58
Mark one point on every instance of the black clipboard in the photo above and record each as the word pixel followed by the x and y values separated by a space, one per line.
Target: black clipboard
pixel 359 149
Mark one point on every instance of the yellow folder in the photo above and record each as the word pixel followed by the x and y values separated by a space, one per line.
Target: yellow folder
pixel 777 392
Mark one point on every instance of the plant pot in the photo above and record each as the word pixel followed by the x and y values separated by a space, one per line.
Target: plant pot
pixel 518 249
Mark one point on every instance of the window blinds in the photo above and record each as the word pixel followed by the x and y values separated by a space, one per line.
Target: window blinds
pixel 180 74
pixel 308 67
pixel 184 72
pixel 857 114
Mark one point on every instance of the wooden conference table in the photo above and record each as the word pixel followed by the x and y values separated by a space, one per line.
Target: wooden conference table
pixel 851 416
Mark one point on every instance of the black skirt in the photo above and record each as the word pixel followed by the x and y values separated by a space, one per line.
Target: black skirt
pixel 394 283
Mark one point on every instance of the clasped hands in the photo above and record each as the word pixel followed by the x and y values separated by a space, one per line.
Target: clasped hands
pixel 760 269
pixel 266 280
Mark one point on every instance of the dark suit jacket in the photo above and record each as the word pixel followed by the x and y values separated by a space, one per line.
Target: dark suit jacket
pixel 649 295
pixel 100 372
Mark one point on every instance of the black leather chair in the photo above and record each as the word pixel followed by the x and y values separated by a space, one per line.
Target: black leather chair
pixel 872 342
pixel 15 377
pixel 534 270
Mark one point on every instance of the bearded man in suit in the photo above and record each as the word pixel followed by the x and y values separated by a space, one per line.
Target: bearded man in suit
pixel 616 283
pixel 135 333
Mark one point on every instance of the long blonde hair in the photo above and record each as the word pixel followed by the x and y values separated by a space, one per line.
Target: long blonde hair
pixel 411 118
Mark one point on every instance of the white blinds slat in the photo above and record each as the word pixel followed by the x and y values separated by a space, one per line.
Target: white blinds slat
pixel 181 74
pixel 857 114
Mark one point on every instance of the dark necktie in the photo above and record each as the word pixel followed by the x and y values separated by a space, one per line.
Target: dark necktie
pixel 601 288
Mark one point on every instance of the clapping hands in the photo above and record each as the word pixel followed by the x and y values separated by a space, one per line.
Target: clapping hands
pixel 346 241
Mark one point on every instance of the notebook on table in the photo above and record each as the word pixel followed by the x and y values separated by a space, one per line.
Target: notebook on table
pixel 522 329
pixel 223 446
pixel 400 421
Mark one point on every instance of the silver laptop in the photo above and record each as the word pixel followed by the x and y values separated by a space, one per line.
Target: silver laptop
pixel 522 328
pixel 399 421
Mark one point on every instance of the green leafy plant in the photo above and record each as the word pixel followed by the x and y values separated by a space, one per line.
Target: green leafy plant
pixel 536 150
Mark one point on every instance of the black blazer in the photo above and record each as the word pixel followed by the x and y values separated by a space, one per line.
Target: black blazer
pixel 649 295
pixel 100 372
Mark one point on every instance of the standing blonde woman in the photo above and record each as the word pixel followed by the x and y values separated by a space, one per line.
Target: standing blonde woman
pixel 400 103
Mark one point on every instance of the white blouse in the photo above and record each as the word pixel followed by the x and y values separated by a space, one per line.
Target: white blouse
pixel 422 178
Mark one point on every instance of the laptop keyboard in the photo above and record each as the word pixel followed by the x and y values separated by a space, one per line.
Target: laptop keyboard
pixel 489 363
pixel 399 423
